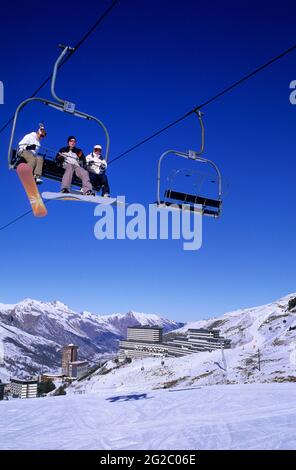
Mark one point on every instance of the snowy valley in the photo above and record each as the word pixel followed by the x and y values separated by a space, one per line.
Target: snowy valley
pixel 32 334
pixel 239 398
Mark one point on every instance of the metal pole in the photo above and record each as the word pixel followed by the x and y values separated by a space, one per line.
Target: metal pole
pixel 55 69
pixel 200 115
pixel 223 358
pixel 159 170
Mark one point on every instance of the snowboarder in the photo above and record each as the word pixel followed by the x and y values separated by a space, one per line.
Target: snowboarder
pixel 96 166
pixel 73 161
pixel 28 149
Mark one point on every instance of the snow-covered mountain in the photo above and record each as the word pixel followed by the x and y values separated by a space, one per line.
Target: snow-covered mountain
pixel 264 337
pixel 263 350
pixel 130 405
pixel 32 334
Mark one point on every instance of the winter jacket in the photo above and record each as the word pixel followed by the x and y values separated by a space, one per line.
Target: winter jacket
pixel 70 156
pixel 95 164
pixel 27 141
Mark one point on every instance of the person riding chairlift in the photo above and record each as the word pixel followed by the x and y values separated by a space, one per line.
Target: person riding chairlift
pixel 28 149
pixel 73 161
pixel 96 166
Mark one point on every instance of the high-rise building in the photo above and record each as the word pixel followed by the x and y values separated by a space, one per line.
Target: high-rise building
pixel 142 341
pixel 151 334
pixel 69 355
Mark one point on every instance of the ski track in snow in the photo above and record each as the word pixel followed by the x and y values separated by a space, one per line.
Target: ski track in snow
pixel 256 416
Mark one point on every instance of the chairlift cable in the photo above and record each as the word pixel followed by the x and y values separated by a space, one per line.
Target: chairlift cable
pixel 80 42
pixel 13 221
pixel 205 103
pixel 210 100
pixel 76 47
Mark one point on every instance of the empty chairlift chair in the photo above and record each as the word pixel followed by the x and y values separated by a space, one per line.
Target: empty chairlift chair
pixel 184 200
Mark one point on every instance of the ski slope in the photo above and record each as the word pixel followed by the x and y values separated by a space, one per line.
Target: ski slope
pixel 250 416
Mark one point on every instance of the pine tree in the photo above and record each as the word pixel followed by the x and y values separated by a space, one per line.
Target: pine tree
pixel 45 387
pixel 292 303
pixel 60 391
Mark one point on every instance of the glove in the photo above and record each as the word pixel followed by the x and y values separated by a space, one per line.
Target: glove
pixel 60 159
pixel 90 162
pixel 31 147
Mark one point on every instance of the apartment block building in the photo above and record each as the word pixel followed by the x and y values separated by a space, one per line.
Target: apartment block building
pixel 148 341
pixel 23 388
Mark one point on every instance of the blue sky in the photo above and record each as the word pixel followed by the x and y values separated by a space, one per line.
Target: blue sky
pixel 147 64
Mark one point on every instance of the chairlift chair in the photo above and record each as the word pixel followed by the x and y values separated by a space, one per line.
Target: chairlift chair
pixel 51 170
pixel 183 200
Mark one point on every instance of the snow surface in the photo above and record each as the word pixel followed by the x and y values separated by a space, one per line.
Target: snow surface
pixel 257 416
pixel 200 401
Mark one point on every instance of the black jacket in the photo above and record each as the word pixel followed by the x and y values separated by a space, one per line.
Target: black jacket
pixel 60 159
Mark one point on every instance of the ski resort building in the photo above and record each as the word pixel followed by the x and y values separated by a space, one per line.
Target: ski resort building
pixel 144 333
pixel 148 341
pixel 71 367
pixel 207 340
pixel 142 341
pixel 77 369
pixel 23 388
pixel 197 340
pixel 52 377
pixel 69 355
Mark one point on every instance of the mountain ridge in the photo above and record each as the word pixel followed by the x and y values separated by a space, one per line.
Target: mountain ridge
pixel 263 350
pixel 33 333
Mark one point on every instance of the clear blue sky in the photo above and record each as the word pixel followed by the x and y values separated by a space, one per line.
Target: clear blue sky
pixel 147 64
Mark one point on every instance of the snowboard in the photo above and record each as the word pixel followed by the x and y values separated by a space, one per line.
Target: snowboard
pixel 25 174
pixel 75 196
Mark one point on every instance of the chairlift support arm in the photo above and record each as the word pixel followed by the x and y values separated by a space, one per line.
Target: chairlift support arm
pixel 66 49
pixel 202 127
